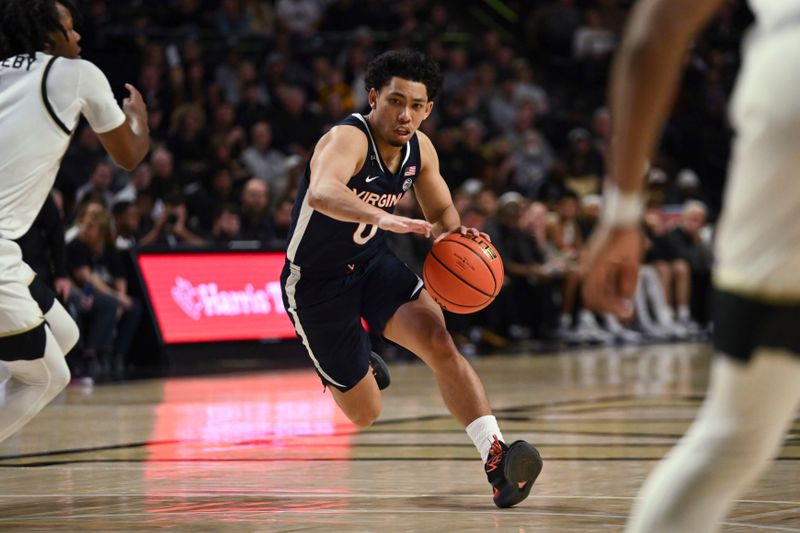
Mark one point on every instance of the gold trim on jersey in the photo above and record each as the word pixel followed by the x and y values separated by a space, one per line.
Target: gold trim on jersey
pixel 740 286
pixel 23 330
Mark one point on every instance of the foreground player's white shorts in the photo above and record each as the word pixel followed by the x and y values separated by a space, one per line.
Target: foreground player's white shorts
pixel 758 242
pixel 19 313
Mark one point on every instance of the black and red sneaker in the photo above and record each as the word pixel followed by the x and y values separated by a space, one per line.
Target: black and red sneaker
pixel 508 466
pixel 379 370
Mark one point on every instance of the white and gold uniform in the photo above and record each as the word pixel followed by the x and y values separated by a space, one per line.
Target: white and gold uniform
pixel 41 100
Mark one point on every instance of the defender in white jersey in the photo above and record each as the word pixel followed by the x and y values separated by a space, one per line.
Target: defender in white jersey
pixel 755 379
pixel 44 89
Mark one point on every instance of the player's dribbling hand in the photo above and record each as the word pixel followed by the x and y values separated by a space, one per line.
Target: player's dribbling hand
pixel 397 224
pixel 610 269
pixel 475 232
pixel 464 230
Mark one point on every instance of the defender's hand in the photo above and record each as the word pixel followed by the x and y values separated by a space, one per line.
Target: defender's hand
pixel 610 269
pixel 135 109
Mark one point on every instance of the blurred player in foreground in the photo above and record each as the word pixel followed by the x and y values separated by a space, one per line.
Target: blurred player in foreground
pixel 755 378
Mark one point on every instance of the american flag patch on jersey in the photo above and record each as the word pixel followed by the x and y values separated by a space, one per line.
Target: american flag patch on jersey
pixel 410 171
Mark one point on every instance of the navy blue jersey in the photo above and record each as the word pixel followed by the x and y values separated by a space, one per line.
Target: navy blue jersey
pixel 321 244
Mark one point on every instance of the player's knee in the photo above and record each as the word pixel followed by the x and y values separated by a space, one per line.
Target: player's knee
pixel 441 345
pixel 59 377
pixel 365 417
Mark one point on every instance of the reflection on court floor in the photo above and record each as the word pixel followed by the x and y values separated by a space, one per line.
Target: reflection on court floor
pixel 271 452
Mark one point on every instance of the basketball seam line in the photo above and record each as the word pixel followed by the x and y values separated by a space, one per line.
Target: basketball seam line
pixel 491 272
pixel 439 295
pixel 467 283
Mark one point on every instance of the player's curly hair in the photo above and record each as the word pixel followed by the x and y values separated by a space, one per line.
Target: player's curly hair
pixel 26 25
pixel 405 64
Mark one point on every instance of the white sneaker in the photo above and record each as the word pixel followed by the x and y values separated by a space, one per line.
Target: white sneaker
pixel 591 330
pixel 620 332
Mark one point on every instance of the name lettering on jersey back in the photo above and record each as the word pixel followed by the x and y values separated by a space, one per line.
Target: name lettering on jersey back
pixel 18 62
pixel 378 200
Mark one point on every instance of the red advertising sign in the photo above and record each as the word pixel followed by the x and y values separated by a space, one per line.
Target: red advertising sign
pixel 216 296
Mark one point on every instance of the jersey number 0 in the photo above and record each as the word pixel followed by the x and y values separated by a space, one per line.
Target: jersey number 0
pixel 361 235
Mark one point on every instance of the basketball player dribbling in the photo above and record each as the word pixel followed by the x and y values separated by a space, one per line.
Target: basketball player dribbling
pixel 754 389
pixel 44 89
pixel 339 267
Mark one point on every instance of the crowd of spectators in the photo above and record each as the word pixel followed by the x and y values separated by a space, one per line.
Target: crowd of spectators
pixel 238 92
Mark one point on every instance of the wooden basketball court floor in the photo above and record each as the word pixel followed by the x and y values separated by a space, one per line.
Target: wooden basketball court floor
pixel 270 452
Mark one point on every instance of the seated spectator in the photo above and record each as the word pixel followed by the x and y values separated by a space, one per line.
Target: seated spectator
pixel 203 199
pixel 225 129
pixel 99 184
pixel 127 224
pixel 576 324
pixel 688 186
pixel 44 249
pixel 253 106
pixel 530 164
pixel 170 229
pixel 78 162
pixel 591 205
pixel 100 300
pixel 188 141
pixel 262 160
pixel 296 126
pixel 164 178
pixel 691 244
pixel 585 166
pixel 139 181
pixel 227 225
pixel 89 207
pixel 531 277
pixel 256 218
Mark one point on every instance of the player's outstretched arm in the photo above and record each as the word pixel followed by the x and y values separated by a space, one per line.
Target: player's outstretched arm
pixel 644 80
pixel 337 157
pixel 129 143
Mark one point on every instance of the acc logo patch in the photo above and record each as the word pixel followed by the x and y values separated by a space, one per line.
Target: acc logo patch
pixel 407 184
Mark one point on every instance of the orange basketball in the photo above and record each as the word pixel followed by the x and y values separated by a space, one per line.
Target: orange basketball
pixel 463 273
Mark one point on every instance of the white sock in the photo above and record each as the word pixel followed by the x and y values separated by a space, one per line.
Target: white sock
pixel 683 313
pixel 482 431
pixel 565 321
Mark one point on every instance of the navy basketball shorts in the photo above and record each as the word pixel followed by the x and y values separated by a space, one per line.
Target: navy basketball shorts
pixel 742 325
pixel 327 311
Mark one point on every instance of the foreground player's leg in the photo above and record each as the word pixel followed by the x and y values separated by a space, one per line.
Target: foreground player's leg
pixel 419 327
pixel 64 329
pixel 738 430
pixel 58 319
pixel 34 384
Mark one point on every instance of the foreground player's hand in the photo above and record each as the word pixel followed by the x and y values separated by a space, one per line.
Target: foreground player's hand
pixel 135 109
pixel 397 224
pixel 610 269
